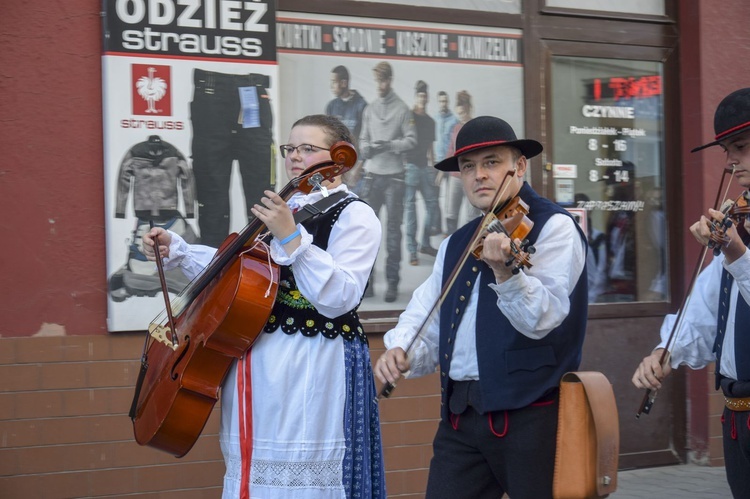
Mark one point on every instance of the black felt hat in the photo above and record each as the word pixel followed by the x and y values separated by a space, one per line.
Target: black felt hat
pixel 487 131
pixel 732 117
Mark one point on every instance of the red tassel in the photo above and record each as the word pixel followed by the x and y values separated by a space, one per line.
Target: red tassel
pixel 492 428
pixel 454 422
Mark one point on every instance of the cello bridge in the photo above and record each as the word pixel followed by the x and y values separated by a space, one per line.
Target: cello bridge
pixel 162 334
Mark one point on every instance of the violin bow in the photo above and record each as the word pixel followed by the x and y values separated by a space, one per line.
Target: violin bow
pixel 650 396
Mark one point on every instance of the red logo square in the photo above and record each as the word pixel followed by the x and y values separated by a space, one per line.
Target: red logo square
pixel 152 90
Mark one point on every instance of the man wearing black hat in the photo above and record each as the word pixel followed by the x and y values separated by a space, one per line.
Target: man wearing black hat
pixel 714 323
pixel 501 340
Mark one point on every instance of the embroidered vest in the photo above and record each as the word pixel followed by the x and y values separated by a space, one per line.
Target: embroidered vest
pixel 292 312
pixel 514 370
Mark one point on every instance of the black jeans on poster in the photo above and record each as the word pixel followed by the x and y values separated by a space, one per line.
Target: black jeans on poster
pixel 219 138
pixel 388 191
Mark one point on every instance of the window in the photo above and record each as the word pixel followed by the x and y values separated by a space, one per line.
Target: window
pixel 645 7
pixel 608 168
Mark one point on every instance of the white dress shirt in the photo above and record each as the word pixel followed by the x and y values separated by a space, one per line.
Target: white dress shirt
pixel 535 301
pixel 694 341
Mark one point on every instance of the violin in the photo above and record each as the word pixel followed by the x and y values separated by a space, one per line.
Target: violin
pixel 511 220
pixel 735 212
pixel 214 321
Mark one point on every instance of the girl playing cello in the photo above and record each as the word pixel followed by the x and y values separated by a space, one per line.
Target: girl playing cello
pixel 299 416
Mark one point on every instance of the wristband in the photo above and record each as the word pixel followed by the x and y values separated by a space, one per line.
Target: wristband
pixel 289 237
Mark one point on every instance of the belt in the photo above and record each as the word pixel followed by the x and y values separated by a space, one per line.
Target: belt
pixel 737 403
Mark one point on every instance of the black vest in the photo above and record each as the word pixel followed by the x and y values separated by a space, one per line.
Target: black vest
pixel 741 336
pixel 292 312
pixel 514 370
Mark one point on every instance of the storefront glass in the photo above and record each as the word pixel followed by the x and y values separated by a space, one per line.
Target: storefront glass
pixel 647 7
pixel 499 6
pixel 608 169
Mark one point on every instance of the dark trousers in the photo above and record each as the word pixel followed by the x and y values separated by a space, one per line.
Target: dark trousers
pixel 388 190
pixel 422 179
pixel 736 435
pixel 735 428
pixel 486 455
pixel 219 139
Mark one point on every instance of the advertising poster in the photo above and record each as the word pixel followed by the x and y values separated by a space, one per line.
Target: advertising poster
pixel 190 94
pixel 455 72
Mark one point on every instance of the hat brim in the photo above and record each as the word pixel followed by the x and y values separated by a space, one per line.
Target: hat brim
pixel 528 148
pixel 723 138
pixel 704 146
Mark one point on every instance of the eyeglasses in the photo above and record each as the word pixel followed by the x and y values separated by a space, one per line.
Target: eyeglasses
pixel 302 149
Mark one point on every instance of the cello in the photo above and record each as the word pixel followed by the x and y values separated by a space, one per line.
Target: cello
pixel 190 347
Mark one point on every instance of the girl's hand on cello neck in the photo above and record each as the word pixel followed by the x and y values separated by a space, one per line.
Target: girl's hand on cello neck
pixel 276 215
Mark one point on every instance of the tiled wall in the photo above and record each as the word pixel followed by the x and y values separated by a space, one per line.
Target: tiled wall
pixel 64 429
pixel 65 432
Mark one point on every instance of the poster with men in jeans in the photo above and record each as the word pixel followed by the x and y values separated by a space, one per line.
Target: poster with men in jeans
pixel 395 84
pixel 189 97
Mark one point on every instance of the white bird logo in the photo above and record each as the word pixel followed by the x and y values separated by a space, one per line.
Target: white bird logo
pixel 151 89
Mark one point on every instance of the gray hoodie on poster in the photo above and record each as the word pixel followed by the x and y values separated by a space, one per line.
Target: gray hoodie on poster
pixel 387 133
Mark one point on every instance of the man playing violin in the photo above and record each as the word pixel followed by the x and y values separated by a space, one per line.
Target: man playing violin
pixel 718 309
pixel 298 412
pixel 501 339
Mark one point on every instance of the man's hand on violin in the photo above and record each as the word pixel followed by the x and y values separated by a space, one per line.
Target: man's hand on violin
pixel 165 238
pixel 276 215
pixel 391 365
pixel 496 252
pixel 650 372
pixel 705 227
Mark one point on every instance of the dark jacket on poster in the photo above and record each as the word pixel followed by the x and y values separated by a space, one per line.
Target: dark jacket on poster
pixel 156 170
pixel 348 111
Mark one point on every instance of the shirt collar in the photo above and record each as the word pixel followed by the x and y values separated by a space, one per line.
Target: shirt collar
pixel 298 199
